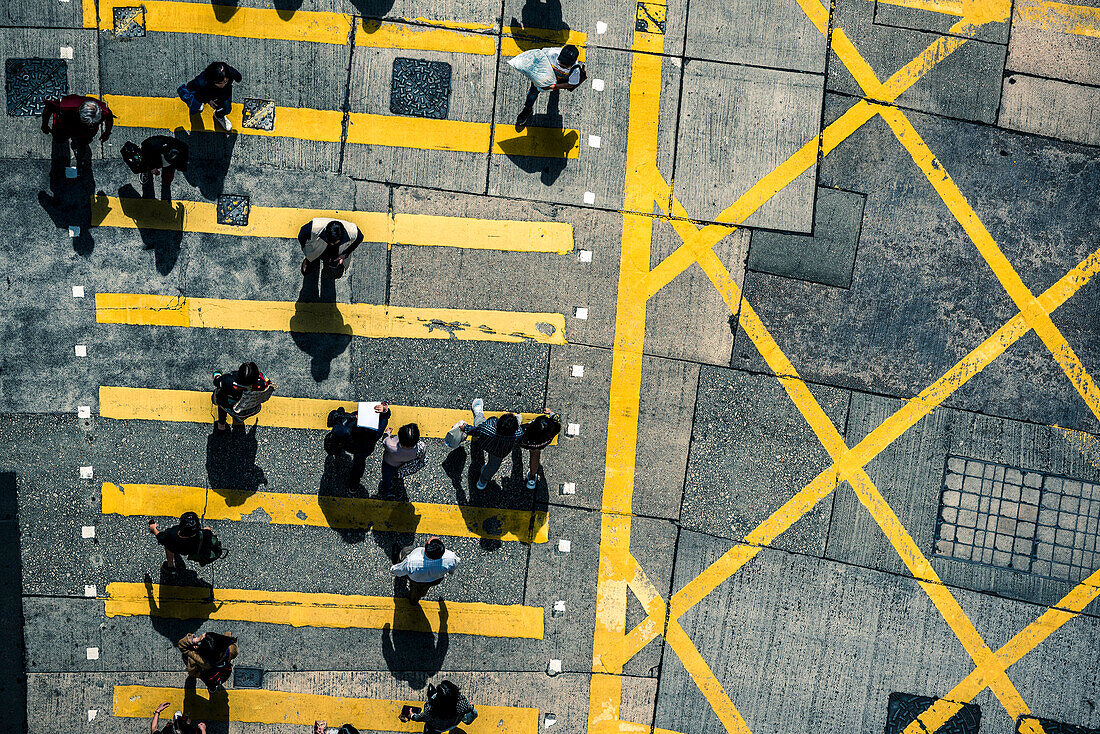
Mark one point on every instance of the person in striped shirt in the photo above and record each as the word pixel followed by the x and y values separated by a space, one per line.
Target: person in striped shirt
pixel 496 437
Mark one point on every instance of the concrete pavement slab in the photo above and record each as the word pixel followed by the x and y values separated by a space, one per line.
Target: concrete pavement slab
pixel 1050 108
pixel 777 35
pixel 1043 45
pixel 607 24
pixel 926 18
pixel 42 15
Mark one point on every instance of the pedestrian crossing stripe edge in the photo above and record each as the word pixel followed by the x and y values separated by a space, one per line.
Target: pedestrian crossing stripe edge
pixel 354 319
pixel 284 222
pixel 306 609
pixel 284 508
pixel 191 406
pixel 393 131
pixel 261 706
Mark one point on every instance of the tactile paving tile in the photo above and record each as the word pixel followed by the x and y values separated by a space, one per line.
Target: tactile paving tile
pixel 233 210
pixel 902 709
pixel 258 114
pixel 650 18
pixel 129 22
pixel 28 83
pixel 420 88
pixel 247 677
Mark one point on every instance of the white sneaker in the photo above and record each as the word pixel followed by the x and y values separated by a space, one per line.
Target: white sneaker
pixel 532 481
pixel 224 123
pixel 478 405
pixel 482 485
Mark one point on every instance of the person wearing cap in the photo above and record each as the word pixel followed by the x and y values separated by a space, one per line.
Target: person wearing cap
pixel 179 540
pixel 424 567
pixel 568 74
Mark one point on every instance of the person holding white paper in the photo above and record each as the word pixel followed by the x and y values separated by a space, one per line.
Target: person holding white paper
pixel 359 439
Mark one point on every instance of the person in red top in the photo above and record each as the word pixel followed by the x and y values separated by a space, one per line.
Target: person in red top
pixel 77 118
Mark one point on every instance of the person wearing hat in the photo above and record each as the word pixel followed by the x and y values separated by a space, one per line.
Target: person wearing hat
pixel 424 567
pixel 180 540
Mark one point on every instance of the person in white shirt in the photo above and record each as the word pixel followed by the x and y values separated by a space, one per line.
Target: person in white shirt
pixel 557 64
pixel 424 567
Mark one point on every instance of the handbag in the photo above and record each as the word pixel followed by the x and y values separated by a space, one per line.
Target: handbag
pixel 217 675
pixel 209 550
pixel 412 467
pixel 332 271
pixel 455 436
pixel 132 155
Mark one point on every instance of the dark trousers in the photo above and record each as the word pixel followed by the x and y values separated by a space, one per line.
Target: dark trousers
pixel 221 106
pixel 532 95
pixel 417 590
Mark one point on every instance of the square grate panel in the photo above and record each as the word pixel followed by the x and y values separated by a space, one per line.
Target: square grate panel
pixel 902 709
pixel 1009 517
pixel 258 114
pixel 247 677
pixel 650 18
pixel 129 22
pixel 1049 726
pixel 420 88
pixel 233 210
pixel 28 83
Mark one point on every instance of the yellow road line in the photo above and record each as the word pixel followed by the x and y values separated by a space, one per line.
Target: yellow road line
pixel 396 229
pixel 323 511
pixel 299 609
pixel 302 709
pixel 190 406
pixel 355 319
pixel 1080 20
pixel 170 113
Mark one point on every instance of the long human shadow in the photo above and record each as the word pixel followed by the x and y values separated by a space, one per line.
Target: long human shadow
pixel 551 138
pixel 214 710
pixel 13 686
pixel 372 9
pixel 333 488
pixel 69 200
pixel 317 326
pixel 165 237
pixel 210 155
pixel 506 491
pixel 231 468
pixel 414 656
pixel 537 18
pixel 173 618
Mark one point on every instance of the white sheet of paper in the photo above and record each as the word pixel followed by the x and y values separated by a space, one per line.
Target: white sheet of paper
pixel 368 418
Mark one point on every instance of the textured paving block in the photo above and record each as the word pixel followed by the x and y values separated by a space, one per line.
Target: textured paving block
pixel 650 18
pixel 129 22
pixel 420 88
pixel 903 708
pixel 826 257
pixel 233 209
pixel 247 677
pixel 258 114
pixel 28 83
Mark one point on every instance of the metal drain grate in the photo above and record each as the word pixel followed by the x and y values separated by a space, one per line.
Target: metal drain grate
pixel 902 709
pixel 28 83
pixel 1008 517
pixel 420 88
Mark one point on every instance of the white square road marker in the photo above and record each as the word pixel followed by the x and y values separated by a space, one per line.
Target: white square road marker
pixel 559 606
pixel 89 591
pixel 564 545
pixel 78 291
pixel 597 84
pixel 601 28
pixel 93 653
pixel 87 531
pixel 580 312
pixel 574 429
pixel 85 472
pixel 593 141
pixel 66 52
pixel 84 411
pixel 589 197
pixel 91 714
pixel 578 370
pixel 568 488
pixel 554 667
pixel 81 350
pixel 585 256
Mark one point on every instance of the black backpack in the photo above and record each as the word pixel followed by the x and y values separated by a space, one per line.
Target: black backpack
pixel 342 423
pixel 209 550
pixel 132 155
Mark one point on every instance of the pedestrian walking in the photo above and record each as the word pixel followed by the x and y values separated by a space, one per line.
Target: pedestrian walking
pixel 158 155
pixel 214 87
pixel 424 567
pixel 184 539
pixel 549 70
pixel 179 724
pixel 538 433
pixel 496 437
pixel 208 657
pixel 77 118
pixel 444 709
pixel 328 242
pixel 240 394
pixel 320 727
pixel 402 455
pixel 358 440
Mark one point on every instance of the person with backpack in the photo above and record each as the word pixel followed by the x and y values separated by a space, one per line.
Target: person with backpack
pixel 496 436
pixel 444 709
pixel 402 455
pixel 549 70
pixel 77 118
pixel 158 154
pixel 179 724
pixel 184 539
pixel 328 242
pixel 208 657
pixel 358 440
pixel 240 394
pixel 214 87
pixel 538 433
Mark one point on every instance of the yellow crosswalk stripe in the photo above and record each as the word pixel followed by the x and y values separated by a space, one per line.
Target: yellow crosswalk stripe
pixel 284 508
pixel 190 406
pixel 355 319
pixel 261 706
pixel 299 609
pixel 396 229
pixel 422 133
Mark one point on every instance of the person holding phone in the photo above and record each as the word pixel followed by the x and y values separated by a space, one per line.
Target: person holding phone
pixel 179 724
pixel 445 709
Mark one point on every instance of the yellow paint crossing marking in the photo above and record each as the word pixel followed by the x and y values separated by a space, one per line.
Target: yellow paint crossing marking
pixel 322 610
pixel 356 319
pixel 323 511
pixel 326 126
pixel 1080 20
pixel 190 406
pixel 396 229
pixel 302 709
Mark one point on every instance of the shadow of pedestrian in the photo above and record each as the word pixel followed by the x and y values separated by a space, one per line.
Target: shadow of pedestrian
pixel 171 617
pixel 539 16
pixel 317 326
pixel 333 488
pixel 413 654
pixel 214 711
pixel 372 9
pixel 499 492
pixel 401 514
pixel 285 9
pixel 231 468
pixel 545 134
pixel 159 223
pixel 453 466
pixel 213 151
pixel 69 201
pixel 224 10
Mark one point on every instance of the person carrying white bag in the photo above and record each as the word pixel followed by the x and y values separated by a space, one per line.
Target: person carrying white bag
pixel 549 70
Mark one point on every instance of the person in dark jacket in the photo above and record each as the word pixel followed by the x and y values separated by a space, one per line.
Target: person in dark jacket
pixel 161 154
pixel 496 437
pixel 359 441
pixel 180 540
pixel 77 118
pixel 179 724
pixel 240 393
pixel 538 433
pixel 445 709
pixel 214 86
pixel 204 654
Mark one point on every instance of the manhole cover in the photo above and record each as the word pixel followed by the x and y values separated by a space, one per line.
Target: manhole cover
pixel 233 210
pixel 28 83
pixel 420 88
pixel 902 709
